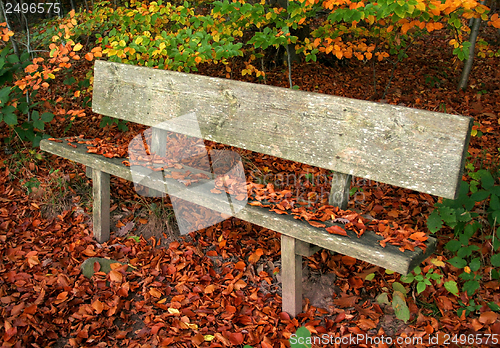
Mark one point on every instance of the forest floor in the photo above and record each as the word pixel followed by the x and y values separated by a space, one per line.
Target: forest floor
pixel 220 286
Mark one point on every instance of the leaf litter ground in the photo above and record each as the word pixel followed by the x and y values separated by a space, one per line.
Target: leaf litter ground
pixel 221 286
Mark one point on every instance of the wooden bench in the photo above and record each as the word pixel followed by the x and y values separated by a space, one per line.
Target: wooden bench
pixel 415 149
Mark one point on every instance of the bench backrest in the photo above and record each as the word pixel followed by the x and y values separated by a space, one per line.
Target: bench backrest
pixel 416 149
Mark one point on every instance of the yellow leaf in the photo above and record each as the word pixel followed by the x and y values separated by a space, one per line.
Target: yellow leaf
pixel 269 15
pixel 138 40
pixel 122 43
pixel 162 45
pixel 191 326
pixel 421 6
pixel 173 310
pixel 437 262
pixel 208 337
pixel 77 47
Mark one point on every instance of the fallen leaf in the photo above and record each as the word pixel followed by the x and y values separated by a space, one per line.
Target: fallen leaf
pixel 488 318
pixel 336 230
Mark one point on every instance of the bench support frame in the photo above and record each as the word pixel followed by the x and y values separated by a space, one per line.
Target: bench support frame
pixel 101 207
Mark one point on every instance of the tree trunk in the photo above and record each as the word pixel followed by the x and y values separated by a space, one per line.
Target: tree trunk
pixel 470 59
pixel 14 42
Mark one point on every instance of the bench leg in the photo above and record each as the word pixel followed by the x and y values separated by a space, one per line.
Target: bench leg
pixel 291 277
pixel 100 191
pixel 158 147
pixel 339 193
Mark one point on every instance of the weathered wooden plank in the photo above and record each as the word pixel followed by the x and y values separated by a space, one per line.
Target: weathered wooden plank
pixel 291 276
pixel 100 208
pixel 366 248
pixel 411 148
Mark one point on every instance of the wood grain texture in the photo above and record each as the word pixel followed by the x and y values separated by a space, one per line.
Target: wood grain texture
pixel 291 276
pixel 100 208
pixel 339 191
pixel 366 248
pixel 410 148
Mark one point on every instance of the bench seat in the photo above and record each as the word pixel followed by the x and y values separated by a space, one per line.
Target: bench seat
pixel 366 248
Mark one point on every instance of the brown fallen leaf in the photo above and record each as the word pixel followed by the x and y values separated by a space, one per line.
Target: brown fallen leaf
pixel 336 230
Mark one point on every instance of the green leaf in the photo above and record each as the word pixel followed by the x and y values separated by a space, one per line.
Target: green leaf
pixel 493 306
pixel 453 245
pixel 434 222
pixel 47 116
pixel 480 195
pixel 136 239
pixel 487 180
pixel 4 95
pixel 467 251
pixel 400 307
pixel 407 278
pixel 467 276
pixel 13 59
pixel 494 202
pixel 399 287
pixel 475 264
pixel 39 124
pixel 370 276
pixel 471 286
pixel 420 287
pixel 382 298
pixel 305 336
pixel 451 286
pixel 458 262
pixel 495 260
pixel 448 215
pixel 8 109
pixel 10 119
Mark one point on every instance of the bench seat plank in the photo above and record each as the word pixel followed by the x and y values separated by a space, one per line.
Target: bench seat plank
pixel 406 147
pixel 365 248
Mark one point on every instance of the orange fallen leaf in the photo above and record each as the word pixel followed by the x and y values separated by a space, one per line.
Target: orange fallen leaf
pixel 98 306
pixel 255 256
pixel 316 224
pixel 115 276
pixel 240 265
pixel 209 289
pixel 421 236
pixel 488 317
pixel 336 230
